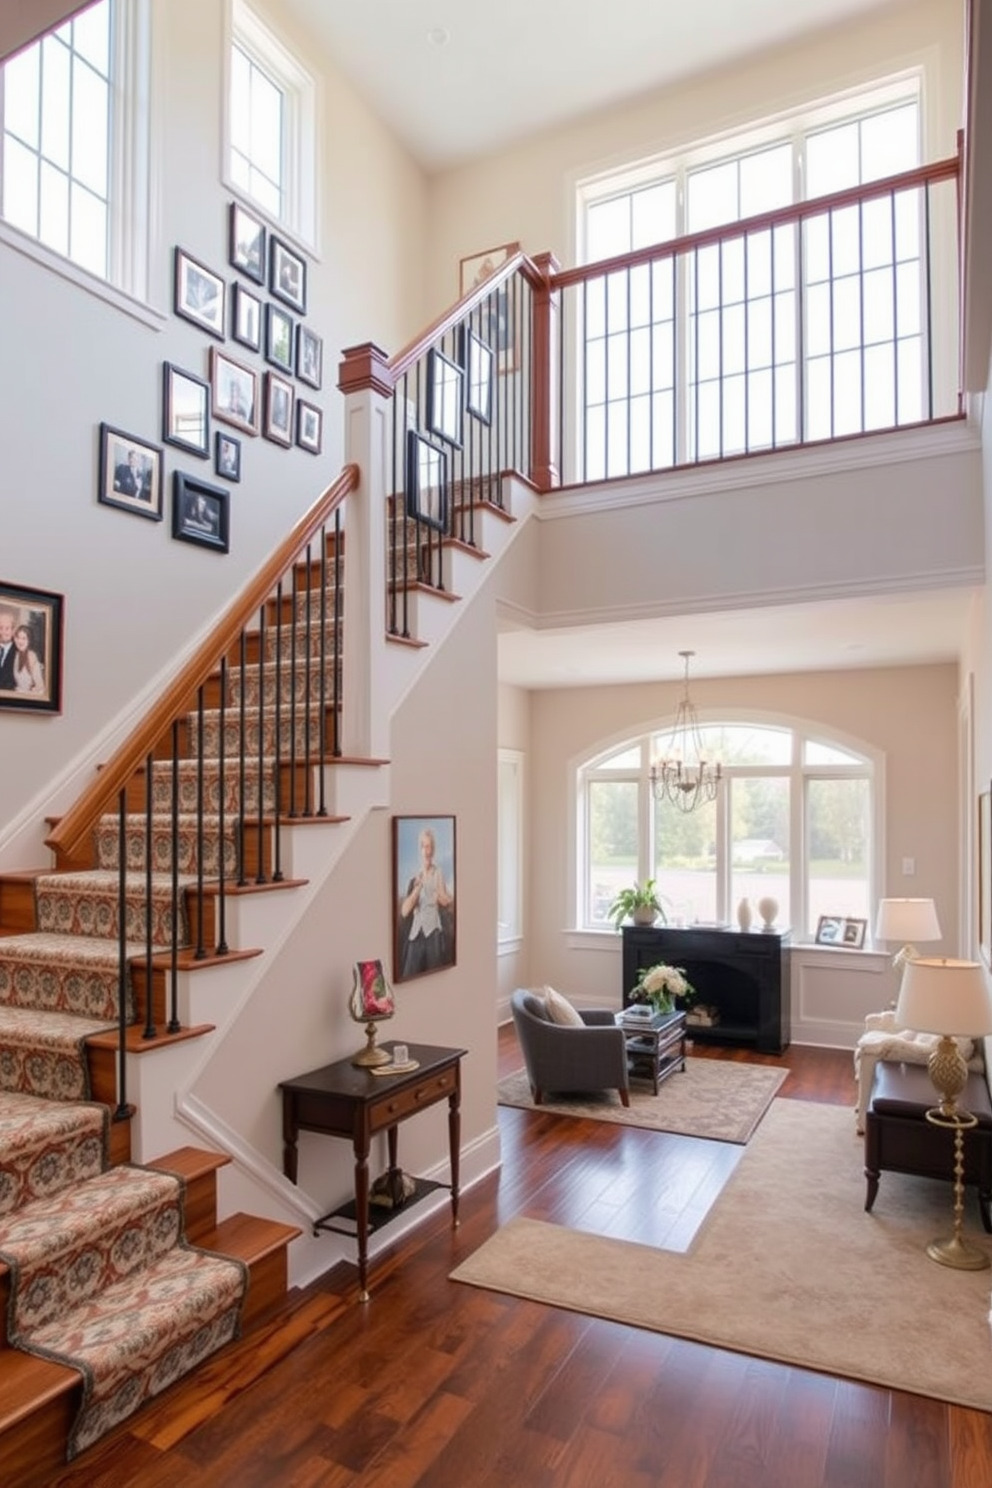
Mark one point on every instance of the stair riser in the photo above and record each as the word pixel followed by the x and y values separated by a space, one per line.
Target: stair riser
pixel 300 735
pixel 304 683
pixel 188 850
pixel 47 986
pixel 189 790
pixel 96 914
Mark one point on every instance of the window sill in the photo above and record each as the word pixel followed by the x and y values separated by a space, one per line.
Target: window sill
pixel 22 243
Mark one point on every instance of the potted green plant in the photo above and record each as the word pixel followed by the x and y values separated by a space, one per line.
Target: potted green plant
pixel 641 903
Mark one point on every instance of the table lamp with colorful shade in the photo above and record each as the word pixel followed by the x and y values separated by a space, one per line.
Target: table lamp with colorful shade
pixel 950 998
pixel 371 1001
pixel 909 921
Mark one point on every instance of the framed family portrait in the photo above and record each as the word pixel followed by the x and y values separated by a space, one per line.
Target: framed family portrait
pixel 309 426
pixel 277 416
pixel 246 243
pixel 424 920
pixel 227 455
pixel 279 338
pixel 287 275
pixel 309 356
pixel 200 512
pixel 246 317
pixel 31 622
pixel 130 473
pixel 199 294
pixel 841 930
pixel 185 411
pixel 234 391
pixel 426 481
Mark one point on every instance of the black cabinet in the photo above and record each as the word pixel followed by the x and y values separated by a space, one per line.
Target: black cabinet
pixel 743 977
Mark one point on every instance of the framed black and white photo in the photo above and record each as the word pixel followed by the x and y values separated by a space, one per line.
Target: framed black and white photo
pixel 309 426
pixel 445 397
pixel 235 391
pixel 199 294
pixel 852 933
pixel 424 920
pixel 246 317
pixel 31 623
pixel 426 480
pixel 200 512
pixel 279 338
pixel 130 473
pixel 246 243
pixel 287 275
pixel 477 362
pixel 227 455
pixel 309 356
pixel 277 416
pixel 185 411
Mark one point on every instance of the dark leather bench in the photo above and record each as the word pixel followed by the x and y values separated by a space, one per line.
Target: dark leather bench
pixel 899 1138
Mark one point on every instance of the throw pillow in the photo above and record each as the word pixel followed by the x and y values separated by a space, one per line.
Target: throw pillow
pixel 560 1010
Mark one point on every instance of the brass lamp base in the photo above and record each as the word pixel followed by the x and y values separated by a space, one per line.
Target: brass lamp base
pixel 958 1253
pixel 370 1056
pixel 955 1251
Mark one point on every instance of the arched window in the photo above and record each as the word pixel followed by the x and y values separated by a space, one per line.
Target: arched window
pixel 795 820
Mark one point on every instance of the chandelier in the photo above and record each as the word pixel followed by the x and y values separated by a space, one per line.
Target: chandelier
pixel 681 774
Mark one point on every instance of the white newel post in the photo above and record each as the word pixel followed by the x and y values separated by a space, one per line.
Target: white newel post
pixel 365 379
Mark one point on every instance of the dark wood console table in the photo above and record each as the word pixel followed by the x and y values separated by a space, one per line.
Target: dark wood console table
pixel 343 1100
pixel 744 975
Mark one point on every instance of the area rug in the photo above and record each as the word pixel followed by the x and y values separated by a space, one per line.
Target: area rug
pixel 787 1266
pixel 711 1098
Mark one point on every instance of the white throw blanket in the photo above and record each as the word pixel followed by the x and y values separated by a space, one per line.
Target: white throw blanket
pixel 884 1039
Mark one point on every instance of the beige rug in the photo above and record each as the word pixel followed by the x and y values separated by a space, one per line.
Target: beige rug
pixel 787 1266
pixel 711 1098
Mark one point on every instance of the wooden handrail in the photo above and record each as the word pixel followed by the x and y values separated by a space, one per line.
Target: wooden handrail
pixel 82 816
pixel 924 175
pixel 405 359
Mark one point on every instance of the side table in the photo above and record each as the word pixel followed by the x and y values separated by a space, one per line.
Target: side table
pixel 655 1045
pixel 345 1100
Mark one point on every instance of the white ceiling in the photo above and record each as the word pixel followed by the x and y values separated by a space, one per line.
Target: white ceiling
pixel 460 78
pixel 456 79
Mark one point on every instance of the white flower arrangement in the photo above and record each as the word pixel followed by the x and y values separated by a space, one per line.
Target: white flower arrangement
pixel 660 985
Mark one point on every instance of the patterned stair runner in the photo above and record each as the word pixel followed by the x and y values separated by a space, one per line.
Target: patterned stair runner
pixel 46 1146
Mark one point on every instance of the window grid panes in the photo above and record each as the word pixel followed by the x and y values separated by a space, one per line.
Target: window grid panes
pixel 257 120
pixel 793 822
pixel 57 128
pixel 715 353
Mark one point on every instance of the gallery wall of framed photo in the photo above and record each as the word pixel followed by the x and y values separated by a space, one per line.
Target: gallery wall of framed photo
pixel 262 356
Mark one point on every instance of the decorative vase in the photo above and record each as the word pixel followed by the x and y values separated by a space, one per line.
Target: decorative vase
pixel 768 910
pixel 744 914
pixel 644 914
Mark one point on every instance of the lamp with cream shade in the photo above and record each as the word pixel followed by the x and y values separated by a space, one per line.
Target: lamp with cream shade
pixel 950 998
pixel 909 921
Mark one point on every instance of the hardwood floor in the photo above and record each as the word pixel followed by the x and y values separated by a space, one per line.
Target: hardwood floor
pixel 436 1385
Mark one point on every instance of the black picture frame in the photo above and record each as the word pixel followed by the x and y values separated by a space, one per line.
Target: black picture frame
pixel 31 628
pixel 309 356
pixel 478 363
pixel 234 392
pixel 445 398
pixel 199 295
pixel 416 950
pixel 287 275
pixel 279 338
pixel 185 410
pixel 227 455
pixel 246 317
pixel 130 473
pixel 201 513
pixel 246 236
pixel 309 426
pixel 852 934
pixel 278 409
pixel 426 480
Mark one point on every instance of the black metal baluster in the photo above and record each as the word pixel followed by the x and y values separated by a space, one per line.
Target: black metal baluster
pixel 174 918
pixel 260 825
pixel 222 946
pixel 294 630
pixel 122 1113
pixel 277 873
pixel 307 691
pixel 201 949
pixel 149 1029
pixel 243 758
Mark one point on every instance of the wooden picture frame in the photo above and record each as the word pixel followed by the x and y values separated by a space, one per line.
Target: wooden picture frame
pixel 277 413
pixel 424 896
pixel 185 410
pixel 31 636
pixel 234 392
pixel 201 513
pixel 445 398
pixel 829 929
pixel 309 426
pixel 199 294
pixel 246 317
pixel 246 242
pixel 426 480
pixel 309 356
pixel 227 455
pixel 130 473
pixel 852 934
pixel 279 339
pixel 287 275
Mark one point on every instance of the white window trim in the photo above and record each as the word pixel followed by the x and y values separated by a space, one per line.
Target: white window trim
pixel 301 217
pixel 509 933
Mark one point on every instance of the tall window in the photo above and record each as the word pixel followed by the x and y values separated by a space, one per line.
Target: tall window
pixel 707 355
pixel 509 910
pixel 75 142
pixel 271 154
pixel 794 821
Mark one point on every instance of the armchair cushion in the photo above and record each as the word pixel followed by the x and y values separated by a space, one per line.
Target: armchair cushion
pixel 560 1010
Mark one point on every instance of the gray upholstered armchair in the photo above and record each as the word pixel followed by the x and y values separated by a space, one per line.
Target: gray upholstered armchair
pixel 560 1058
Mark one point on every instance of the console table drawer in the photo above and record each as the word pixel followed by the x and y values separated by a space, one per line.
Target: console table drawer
pixel 404 1102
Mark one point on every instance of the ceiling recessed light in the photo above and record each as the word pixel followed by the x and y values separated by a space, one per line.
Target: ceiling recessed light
pixel 439 36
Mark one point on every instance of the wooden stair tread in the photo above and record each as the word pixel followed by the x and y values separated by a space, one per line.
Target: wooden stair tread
pixel 189 1162
pixel 27 1382
pixel 249 1238
pixel 136 1043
